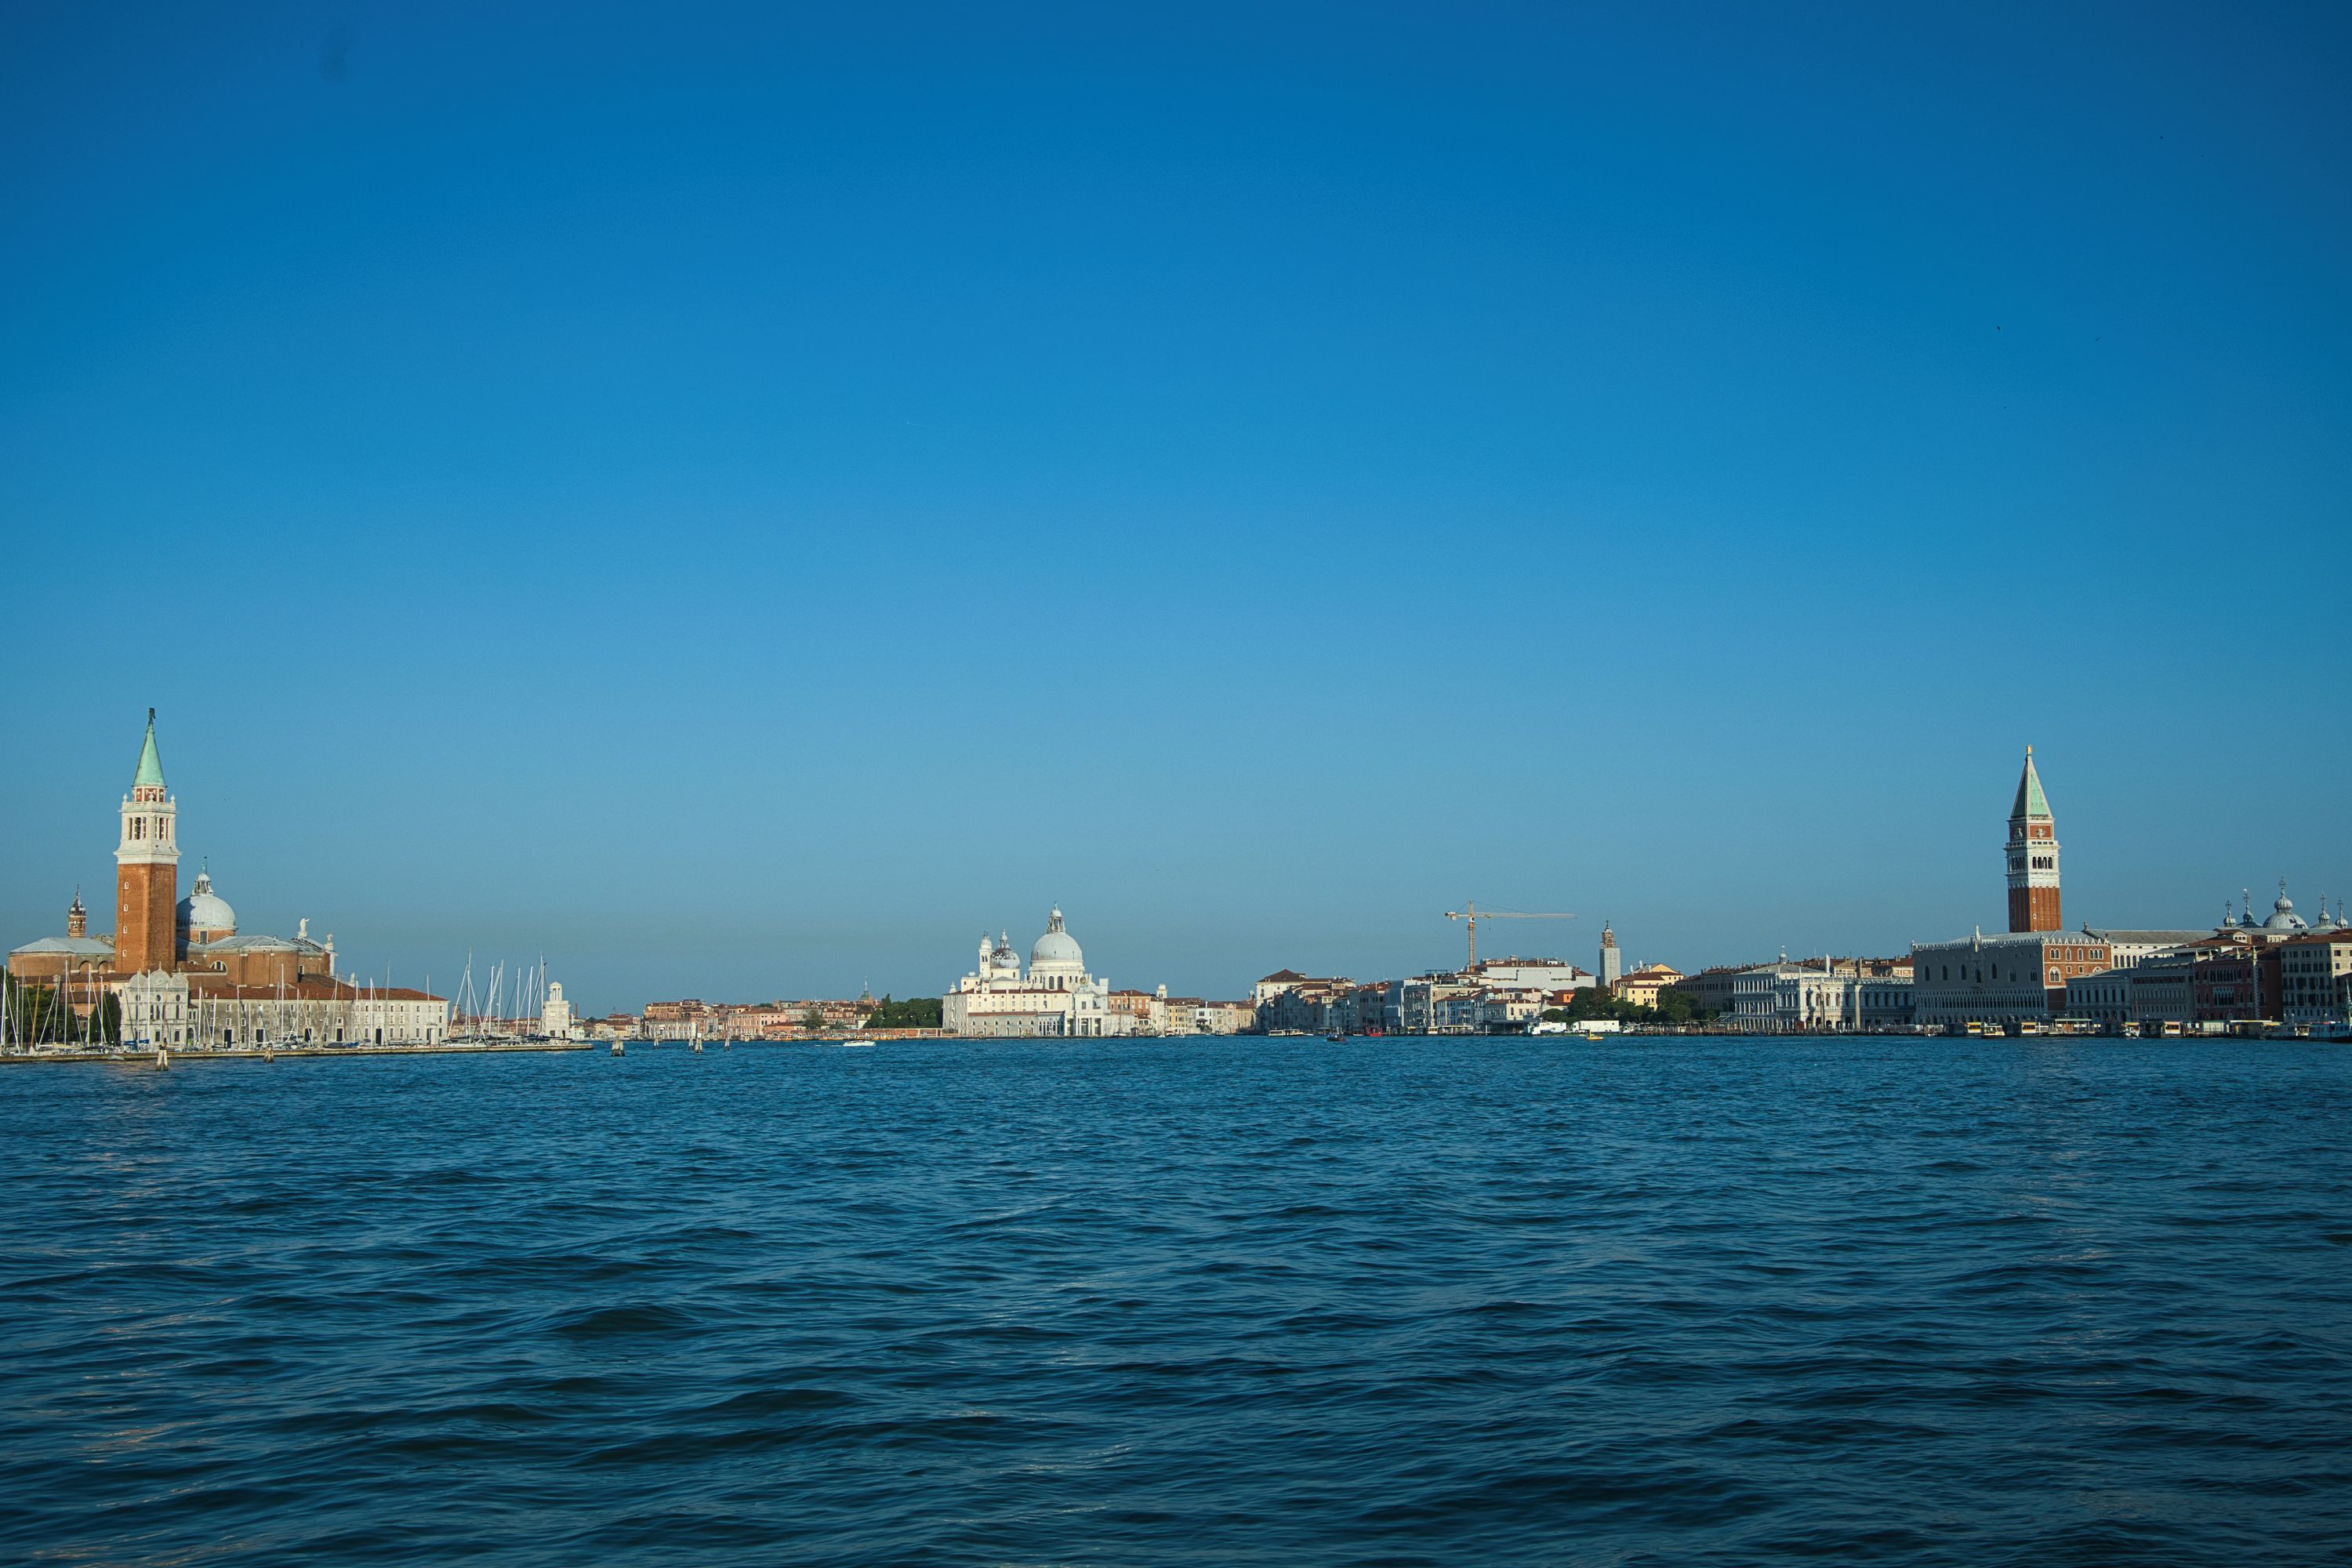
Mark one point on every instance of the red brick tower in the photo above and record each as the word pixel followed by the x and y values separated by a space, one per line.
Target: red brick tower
pixel 146 871
pixel 2033 856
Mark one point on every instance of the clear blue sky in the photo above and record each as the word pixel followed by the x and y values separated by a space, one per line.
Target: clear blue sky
pixel 738 499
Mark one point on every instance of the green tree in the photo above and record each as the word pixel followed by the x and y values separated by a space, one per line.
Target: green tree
pixel 914 1013
pixel 38 1015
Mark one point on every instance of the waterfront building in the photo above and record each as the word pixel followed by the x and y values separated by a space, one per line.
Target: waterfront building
pixel 1711 989
pixel 2009 978
pixel 1788 998
pixel 329 1011
pixel 2163 990
pixel 1057 997
pixel 1812 999
pixel 1494 994
pixel 2227 983
pixel 1882 1001
pixel 1611 963
pixel 1312 1006
pixel 1793 997
pixel 1641 987
pixel 1157 1013
pixel 1274 986
pixel 1149 1009
pixel 154 1006
pixel 2032 855
pixel 1226 1017
pixel 1752 1007
pixel 77 965
pixel 1421 1003
pixel 2130 946
pixel 185 974
pixel 2104 998
pixel 1501 1011
pixel 2315 976
pixel 1529 973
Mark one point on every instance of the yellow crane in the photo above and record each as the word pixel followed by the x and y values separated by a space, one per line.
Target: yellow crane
pixel 1471 913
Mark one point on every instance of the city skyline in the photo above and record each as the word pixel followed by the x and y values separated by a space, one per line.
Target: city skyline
pixel 745 517
pixel 2029 826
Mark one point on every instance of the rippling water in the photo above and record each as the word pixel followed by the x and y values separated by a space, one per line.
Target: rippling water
pixel 1256 1301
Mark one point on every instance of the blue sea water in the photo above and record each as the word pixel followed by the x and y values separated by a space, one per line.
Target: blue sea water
pixel 1239 1301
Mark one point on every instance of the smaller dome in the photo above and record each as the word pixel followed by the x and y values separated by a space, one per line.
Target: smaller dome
pixel 205 910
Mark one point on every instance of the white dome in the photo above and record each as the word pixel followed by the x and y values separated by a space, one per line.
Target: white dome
pixel 204 910
pixel 1057 949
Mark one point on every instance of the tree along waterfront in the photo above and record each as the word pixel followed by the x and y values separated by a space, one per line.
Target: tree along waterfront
pixel 38 1016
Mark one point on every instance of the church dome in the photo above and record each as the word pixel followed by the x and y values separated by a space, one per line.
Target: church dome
pixel 204 910
pixel 1057 949
pixel 2282 915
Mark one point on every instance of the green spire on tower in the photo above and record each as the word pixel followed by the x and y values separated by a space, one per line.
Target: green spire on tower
pixel 2030 802
pixel 151 766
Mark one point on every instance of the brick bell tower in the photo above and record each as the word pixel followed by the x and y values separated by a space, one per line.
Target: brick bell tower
pixel 146 871
pixel 2033 856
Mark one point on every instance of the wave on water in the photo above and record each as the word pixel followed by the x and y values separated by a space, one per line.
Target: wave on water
pixel 1490 1302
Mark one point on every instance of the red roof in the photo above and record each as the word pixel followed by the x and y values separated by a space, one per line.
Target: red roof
pixel 311 990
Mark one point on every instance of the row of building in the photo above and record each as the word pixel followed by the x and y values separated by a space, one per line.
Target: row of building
pixel 2283 971
pixel 2276 970
pixel 1056 996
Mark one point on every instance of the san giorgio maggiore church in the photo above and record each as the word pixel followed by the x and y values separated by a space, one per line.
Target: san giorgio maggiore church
pixel 187 977
pixel 1057 997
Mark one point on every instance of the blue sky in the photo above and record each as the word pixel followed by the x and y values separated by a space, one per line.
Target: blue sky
pixel 738 499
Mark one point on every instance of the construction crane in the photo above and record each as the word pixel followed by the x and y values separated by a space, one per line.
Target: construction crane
pixel 1471 913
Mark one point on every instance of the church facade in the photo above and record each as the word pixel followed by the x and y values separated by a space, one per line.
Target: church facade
pixel 184 975
pixel 1055 997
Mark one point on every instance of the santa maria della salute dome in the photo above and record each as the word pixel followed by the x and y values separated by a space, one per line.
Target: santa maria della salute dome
pixel 1056 952
pixel 1056 997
